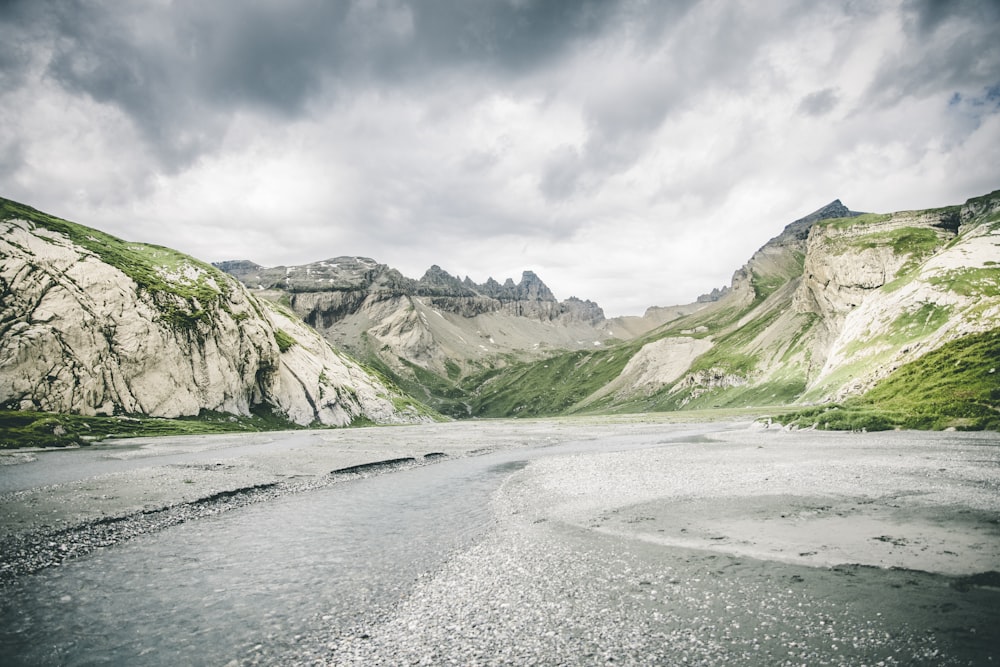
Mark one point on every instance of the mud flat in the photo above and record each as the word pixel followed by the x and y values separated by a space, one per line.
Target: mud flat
pixel 742 548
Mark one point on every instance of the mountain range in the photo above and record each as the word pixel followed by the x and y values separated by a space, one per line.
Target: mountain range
pixel 836 308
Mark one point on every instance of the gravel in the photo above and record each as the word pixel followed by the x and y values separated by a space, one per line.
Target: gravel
pixel 27 552
pixel 550 586
pixel 744 547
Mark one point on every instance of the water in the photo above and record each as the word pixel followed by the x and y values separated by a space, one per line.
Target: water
pixel 214 590
pixel 66 465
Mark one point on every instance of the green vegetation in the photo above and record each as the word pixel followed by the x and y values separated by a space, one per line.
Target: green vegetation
pixel 284 341
pixel 955 386
pixel 452 369
pixel 548 387
pixel 974 281
pixel 181 286
pixel 48 429
pixel 917 243
pixel 866 219
pixel 910 326
pixel 766 285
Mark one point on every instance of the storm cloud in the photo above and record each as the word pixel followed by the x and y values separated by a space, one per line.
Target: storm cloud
pixel 634 152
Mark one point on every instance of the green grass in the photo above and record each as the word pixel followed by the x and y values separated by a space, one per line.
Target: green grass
pixel 917 243
pixel 48 429
pixel 957 385
pixel 439 399
pixel 910 326
pixel 844 223
pixel 973 281
pixel 284 340
pixel 182 287
pixel 766 285
pixel 549 387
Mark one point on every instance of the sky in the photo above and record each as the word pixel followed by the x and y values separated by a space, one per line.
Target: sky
pixel 635 153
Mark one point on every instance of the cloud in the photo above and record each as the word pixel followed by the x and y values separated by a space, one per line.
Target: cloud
pixel 943 45
pixel 819 103
pixel 634 153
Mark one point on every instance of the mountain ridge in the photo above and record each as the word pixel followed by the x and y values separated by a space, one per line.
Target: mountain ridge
pixel 834 306
pixel 96 326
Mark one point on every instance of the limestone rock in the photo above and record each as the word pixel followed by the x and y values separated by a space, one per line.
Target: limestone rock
pixel 93 325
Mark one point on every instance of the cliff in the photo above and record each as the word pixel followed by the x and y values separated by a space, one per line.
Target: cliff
pixel 430 333
pixel 828 310
pixel 93 325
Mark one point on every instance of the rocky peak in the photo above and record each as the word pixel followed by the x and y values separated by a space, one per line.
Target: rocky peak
pixel 713 296
pixel 799 229
pixel 438 282
pixel 582 310
pixel 531 288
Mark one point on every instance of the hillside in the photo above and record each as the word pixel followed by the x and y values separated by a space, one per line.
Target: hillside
pixel 868 316
pixel 431 335
pixel 828 309
pixel 95 326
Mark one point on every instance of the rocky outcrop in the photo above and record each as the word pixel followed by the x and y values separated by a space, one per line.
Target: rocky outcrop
pixel 846 263
pixel 892 288
pixel 441 323
pixel 701 382
pixel 93 325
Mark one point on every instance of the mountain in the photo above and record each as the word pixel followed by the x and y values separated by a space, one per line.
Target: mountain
pixel 836 305
pixel 842 320
pixel 432 333
pixel 93 325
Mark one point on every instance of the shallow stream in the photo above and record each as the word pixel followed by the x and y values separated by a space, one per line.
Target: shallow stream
pixel 254 581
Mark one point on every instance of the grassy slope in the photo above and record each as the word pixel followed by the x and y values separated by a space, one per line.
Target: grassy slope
pixel 548 387
pixel 48 429
pixel 184 301
pixel 957 385
pixel 558 384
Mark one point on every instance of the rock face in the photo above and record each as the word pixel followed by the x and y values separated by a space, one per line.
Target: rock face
pixel 440 323
pixel 891 288
pixel 90 324
pixel 826 309
pixel 836 302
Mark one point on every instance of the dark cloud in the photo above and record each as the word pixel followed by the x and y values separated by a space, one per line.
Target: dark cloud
pixel 949 46
pixel 819 103
pixel 927 15
pixel 179 70
pixel 513 129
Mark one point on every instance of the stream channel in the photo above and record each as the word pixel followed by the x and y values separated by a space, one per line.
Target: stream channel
pixel 259 579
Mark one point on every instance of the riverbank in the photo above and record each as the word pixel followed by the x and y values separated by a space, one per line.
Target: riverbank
pixel 750 548
pixel 615 540
pixel 62 504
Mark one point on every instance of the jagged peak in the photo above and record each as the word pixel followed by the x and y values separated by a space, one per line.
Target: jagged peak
pixel 799 229
pixel 834 209
pixel 436 275
pixel 237 265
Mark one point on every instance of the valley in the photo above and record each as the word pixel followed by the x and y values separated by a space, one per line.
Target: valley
pixel 830 324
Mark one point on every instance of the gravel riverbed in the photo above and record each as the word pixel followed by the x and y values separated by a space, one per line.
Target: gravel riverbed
pixel 737 550
pixel 732 546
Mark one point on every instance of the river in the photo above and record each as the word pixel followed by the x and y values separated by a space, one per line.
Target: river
pixel 263 577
